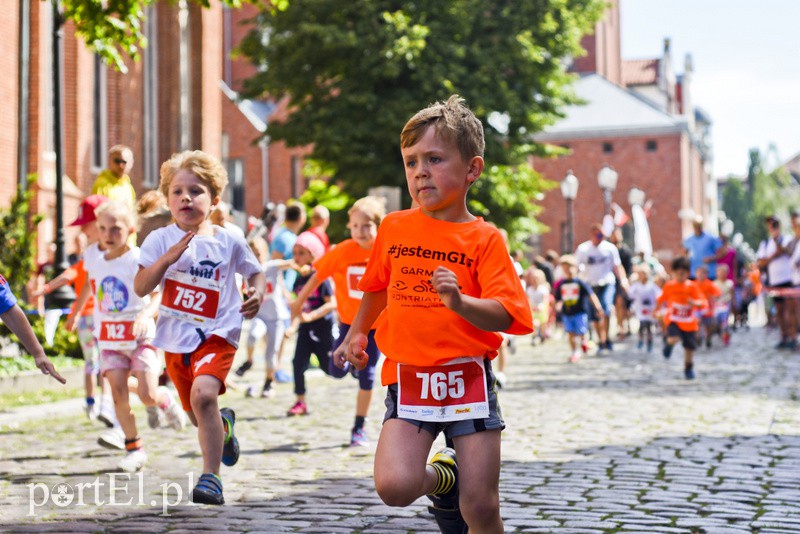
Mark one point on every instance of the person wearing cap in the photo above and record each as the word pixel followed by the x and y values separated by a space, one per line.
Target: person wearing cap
pixel 114 182
pixel 774 256
pixel 701 248
pixel 315 330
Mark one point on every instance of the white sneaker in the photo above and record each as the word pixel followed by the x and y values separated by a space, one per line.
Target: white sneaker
pixel 133 461
pixel 107 414
pixel 112 439
pixel 500 378
pixel 176 418
pixel 153 417
pixel 91 411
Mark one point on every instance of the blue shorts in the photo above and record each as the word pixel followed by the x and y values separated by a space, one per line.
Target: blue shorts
pixel 456 428
pixel 606 295
pixel 577 324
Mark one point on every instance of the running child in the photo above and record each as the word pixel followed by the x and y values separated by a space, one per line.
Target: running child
pixel 443 284
pixel 643 294
pixel 573 298
pixel 124 328
pixel 14 318
pixel 200 317
pixel 315 329
pixel 706 315
pixel 723 303
pixel 540 300
pixel 681 297
pixel 345 263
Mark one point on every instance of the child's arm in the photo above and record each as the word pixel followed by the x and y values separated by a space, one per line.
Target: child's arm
pixel 297 305
pixel 67 277
pixel 80 304
pixel 16 321
pixel 598 308
pixel 486 314
pixel 148 312
pixel 149 277
pixel 319 313
pixel 353 348
pixel 256 285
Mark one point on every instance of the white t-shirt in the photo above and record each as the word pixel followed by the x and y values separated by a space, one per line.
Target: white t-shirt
pixel 598 262
pixel 274 306
pixel 111 282
pixel 779 270
pixel 200 297
pixel 643 297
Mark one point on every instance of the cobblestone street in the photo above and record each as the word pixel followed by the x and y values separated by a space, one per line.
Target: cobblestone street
pixel 616 443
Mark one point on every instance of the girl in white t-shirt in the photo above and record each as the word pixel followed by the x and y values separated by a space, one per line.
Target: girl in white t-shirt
pixel 124 327
pixel 643 294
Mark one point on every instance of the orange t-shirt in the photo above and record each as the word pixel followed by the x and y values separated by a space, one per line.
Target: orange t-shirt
pixel 755 279
pixel 78 281
pixel 676 295
pixel 711 292
pixel 346 263
pixel 416 328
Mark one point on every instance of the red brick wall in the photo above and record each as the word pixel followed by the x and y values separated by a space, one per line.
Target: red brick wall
pixel 603 50
pixel 659 174
pixel 9 96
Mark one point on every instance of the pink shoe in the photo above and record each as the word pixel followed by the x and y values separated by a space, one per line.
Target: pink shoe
pixel 299 408
pixel 575 358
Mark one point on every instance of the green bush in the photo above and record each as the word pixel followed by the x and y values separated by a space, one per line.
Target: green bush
pixel 18 239
pixel 64 343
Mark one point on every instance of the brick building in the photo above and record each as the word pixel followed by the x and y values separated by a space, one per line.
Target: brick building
pixel 180 95
pixel 639 119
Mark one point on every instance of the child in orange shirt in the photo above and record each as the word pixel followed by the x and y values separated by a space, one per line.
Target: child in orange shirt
pixel 681 297
pixel 711 292
pixel 441 284
pixel 345 263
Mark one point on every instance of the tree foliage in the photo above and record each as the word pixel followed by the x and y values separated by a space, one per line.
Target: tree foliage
pixel 354 71
pixel 114 29
pixel 18 239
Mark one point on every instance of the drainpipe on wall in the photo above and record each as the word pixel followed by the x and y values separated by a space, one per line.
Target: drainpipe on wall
pixel 24 92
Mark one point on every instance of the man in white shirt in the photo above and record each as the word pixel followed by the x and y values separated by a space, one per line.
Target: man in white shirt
pixel 601 267
pixel 774 255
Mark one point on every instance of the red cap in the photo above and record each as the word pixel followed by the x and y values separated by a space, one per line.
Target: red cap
pixel 87 207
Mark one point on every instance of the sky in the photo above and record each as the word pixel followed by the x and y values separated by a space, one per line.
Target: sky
pixel 746 57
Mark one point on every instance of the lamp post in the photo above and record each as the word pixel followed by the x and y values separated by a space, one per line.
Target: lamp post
pixel 569 190
pixel 636 197
pixel 607 180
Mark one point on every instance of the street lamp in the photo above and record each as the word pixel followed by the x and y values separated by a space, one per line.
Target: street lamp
pixel 607 180
pixel 569 190
pixel 727 227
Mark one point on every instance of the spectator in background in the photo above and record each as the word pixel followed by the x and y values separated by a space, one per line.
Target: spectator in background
pixel 282 244
pixel 320 219
pixel 773 255
pixel 621 299
pixel 726 255
pixel 543 264
pixel 701 248
pixel 221 216
pixel 114 182
pixel 152 213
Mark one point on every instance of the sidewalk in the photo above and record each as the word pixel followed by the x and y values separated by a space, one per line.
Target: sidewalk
pixel 618 443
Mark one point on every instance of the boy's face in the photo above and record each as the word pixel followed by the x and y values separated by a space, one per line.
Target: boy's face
pixel 701 274
pixel 363 230
pixel 437 177
pixel 113 232
pixel 189 200
pixel 681 275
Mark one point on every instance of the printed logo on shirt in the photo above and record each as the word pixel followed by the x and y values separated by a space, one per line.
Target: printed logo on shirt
pixel 452 256
pixel 112 294
pixel 207 269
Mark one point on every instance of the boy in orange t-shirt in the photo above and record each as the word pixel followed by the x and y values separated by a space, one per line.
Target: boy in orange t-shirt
pixel 681 297
pixel 441 285
pixel 711 292
pixel 345 263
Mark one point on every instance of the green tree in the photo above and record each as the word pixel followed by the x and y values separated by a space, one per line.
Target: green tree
pixel 18 239
pixel 114 29
pixel 355 70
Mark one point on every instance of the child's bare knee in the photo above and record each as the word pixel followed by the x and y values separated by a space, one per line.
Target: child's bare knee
pixel 395 493
pixel 479 510
pixel 202 400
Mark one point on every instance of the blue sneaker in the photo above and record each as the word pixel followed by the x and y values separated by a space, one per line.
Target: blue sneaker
pixel 208 490
pixel 282 376
pixel 640 344
pixel 230 450
pixel 688 372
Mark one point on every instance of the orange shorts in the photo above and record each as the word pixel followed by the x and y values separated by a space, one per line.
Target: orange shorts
pixel 213 357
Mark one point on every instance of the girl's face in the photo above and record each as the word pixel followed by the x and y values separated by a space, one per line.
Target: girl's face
pixel 189 200
pixel 113 232
pixel 363 230
pixel 302 256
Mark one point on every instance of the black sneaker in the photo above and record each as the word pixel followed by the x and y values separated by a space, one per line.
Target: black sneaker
pixel 667 350
pixel 688 372
pixel 609 345
pixel 230 450
pixel 244 368
pixel 208 490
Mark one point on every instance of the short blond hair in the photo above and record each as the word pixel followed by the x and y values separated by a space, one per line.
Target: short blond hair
pixel 150 202
pixel 120 211
pixel 453 121
pixel 203 165
pixel 373 207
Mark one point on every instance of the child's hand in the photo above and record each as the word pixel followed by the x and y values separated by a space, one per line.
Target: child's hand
pixel 47 368
pixel 174 252
pixel 252 303
pixel 139 328
pixel 296 307
pixel 445 283
pixel 356 351
pixel 340 354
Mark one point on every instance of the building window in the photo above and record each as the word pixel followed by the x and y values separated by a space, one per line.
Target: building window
pixel 608 148
pixel 651 145
pixel 99 115
pixel 235 168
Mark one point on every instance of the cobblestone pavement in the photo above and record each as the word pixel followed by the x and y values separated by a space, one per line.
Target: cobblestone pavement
pixel 615 443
